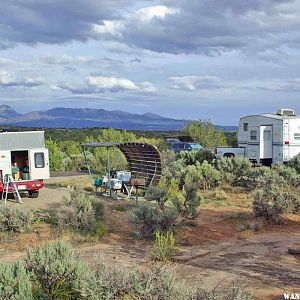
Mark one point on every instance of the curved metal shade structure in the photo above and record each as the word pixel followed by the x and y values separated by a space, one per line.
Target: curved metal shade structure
pixel 143 159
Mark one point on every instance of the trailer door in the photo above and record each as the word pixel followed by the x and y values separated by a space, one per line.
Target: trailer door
pixel 5 164
pixel 266 142
pixel 39 164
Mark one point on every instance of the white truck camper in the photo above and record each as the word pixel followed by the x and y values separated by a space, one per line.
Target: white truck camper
pixel 24 160
pixel 267 138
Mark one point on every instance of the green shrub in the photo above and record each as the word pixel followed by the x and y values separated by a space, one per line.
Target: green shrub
pixel 164 245
pixel 15 219
pixel 235 171
pixel 158 193
pixel 272 201
pixel 178 202
pixel 15 282
pixel 236 291
pixel 108 281
pixel 295 163
pixel 57 272
pixel 81 212
pixel 289 174
pixel 112 281
pixel 100 229
pixel 204 175
pixel 265 177
pixel 98 206
pixel 196 156
pixel 176 171
pixel 149 219
pixel 160 283
pixel 204 133
pixel 168 157
pixel 192 199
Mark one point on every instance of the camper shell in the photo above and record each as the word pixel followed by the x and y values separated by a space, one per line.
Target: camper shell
pixel 24 157
pixel 270 138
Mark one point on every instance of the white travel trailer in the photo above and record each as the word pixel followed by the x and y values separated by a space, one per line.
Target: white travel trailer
pixel 270 138
pixel 24 158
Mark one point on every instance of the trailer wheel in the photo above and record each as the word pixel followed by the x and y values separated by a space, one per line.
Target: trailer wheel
pixel 228 155
pixel 33 194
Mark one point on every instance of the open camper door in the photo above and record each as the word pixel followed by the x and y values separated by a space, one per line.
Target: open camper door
pixel 266 142
pixel 39 164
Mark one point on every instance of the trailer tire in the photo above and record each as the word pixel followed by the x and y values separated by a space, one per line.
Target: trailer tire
pixel 228 155
pixel 33 194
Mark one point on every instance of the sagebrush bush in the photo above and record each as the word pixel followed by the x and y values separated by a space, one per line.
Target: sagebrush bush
pixel 81 212
pixel 15 219
pixel 168 157
pixel 235 291
pixel 159 282
pixel 98 206
pixel 108 281
pixel 148 219
pixel 100 229
pixel 295 163
pixel 265 177
pixel 196 156
pixel 235 171
pixel 204 175
pixel 57 273
pixel 271 202
pixel 164 246
pixel 192 199
pixel 15 282
pixel 112 281
pixel 289 174
pixel 175 171
pixel 158 193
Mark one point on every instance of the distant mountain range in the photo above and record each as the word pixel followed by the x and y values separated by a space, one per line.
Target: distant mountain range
pixel 61 117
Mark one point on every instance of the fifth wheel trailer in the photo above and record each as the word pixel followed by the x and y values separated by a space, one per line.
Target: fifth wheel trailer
pixel 267 138
pixel 24 158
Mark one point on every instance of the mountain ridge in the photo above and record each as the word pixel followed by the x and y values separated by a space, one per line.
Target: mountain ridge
pixel 64 117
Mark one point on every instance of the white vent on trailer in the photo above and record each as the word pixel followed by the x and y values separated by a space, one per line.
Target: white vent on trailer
pixel 285 112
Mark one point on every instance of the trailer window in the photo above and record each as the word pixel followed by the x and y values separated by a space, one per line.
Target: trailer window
pixel 39 160
pixel 297 136
pixel 245 126
pixel 253 135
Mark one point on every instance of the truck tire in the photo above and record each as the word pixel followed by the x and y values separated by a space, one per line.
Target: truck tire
pixel 33 194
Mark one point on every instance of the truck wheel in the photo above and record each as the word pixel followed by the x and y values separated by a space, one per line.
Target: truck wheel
pixel 33 194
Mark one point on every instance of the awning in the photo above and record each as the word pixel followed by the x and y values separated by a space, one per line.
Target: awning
pixel 143 159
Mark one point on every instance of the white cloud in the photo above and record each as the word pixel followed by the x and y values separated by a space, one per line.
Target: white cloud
pixel 53 21
pixel 291 85
pixel 112 28
pixel 101 84
pixel 209 27
pixel 110 83
pixel 146 14
pixel 65 59
pixel 8 79
pixel 193 83
pixel 5 61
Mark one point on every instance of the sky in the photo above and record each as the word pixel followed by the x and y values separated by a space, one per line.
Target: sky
pixel 196 59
